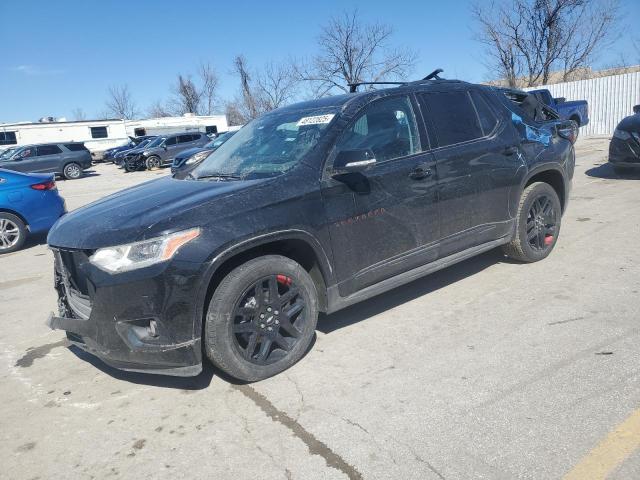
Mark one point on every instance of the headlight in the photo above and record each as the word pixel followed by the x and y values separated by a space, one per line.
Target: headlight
pixel 197 157
pixel 122 258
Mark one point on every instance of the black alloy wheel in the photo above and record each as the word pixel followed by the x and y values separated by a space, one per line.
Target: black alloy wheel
pixel 268 319
pixel 261 318
pixel 542 221
pixel 537 225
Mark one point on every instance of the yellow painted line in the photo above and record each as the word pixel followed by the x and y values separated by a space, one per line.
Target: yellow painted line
pixel 610 452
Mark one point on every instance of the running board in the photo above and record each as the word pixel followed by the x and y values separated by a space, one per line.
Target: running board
pixel 335 302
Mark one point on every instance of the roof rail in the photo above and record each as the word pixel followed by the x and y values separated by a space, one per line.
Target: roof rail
pixel 435 75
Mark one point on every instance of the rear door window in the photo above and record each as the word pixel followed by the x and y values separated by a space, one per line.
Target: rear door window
pixel 386 127
pixel 171 141
pixel 453 117
pixel 185 138
pixel 48 150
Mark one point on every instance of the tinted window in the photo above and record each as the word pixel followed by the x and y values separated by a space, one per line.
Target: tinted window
pixel 185 138
pixel 99 132
pixel 386 127
pixel 209 129
pixel 488 120
pixel 171 141
pixel 48 150
pixel 8 138
pixel 75 147
pixel 453 116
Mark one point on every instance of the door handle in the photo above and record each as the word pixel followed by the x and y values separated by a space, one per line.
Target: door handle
pixel 511 150
pixel 420 173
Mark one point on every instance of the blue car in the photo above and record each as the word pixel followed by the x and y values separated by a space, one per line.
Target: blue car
pixel 29 203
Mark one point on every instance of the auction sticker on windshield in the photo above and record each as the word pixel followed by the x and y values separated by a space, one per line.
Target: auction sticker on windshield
pixel 315 120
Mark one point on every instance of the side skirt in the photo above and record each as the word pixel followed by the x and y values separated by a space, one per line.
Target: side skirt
pixel 335 302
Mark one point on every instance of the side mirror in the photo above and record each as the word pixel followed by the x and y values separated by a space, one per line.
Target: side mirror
pixel 636 109
pixel 349 161
pixel 560 100
pixel 164 146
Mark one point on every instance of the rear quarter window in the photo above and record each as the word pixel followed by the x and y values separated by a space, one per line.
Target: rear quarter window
pixel 486 116
pixel 75 147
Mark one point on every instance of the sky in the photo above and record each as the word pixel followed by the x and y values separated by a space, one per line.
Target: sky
pixel 63 55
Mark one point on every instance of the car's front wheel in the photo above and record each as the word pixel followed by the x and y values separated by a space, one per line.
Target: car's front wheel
pixel 261 319
pixel 13 233
pixel 153 163
pixel 537 224
pixel 72 171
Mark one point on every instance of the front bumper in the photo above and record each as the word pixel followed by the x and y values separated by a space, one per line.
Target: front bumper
pixel 624 152
pixel 143 321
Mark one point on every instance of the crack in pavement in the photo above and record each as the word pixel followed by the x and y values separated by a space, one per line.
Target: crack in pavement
pixel 315 446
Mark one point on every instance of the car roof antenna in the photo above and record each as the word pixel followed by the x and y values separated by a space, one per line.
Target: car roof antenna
pixel 434 75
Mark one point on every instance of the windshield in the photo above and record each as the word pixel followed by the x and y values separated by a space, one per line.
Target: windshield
pixel 156 141
pixel 268 146
pixel 7 153
pixel 142 144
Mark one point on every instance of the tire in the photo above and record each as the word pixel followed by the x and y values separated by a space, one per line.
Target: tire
pixel 13 233
pixel 536 231
pixel 129 166
pixel 72 171
pixel 237 319
pixel 153 163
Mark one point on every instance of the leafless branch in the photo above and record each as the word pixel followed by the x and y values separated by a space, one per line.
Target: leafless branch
pixel 120 104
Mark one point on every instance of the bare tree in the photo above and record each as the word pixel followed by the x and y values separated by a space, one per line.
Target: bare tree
pixel 352 51
pixel 529 39
pixel 158 110
pixel 186 97
pixel 120 104
pixel 248 104
pixel 277 85
pixel 78 114
pixel 209 89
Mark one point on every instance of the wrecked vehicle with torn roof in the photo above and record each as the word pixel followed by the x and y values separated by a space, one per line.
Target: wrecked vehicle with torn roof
pixel 309 208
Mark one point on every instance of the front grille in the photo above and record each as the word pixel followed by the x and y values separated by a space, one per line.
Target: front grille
pixel 73 285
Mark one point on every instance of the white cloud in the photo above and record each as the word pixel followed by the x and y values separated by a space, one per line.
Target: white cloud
pixel 34 70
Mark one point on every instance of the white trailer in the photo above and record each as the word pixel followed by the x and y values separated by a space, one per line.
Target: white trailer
pixel 100 135
pixel 209 124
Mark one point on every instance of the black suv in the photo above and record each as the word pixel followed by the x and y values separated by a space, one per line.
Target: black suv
pixel 309 208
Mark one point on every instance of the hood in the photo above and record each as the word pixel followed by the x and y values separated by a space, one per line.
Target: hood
pixel 630 123
pixel 141 212
pixel 190 151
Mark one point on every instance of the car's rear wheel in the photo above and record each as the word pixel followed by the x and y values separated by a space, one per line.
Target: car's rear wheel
pixel 72 171
pixel 153 163
pixel 537 224
pixel 261 319
pixel 13 233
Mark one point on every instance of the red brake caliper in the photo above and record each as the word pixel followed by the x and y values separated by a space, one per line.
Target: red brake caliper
pixel 548 240
pixel 284 280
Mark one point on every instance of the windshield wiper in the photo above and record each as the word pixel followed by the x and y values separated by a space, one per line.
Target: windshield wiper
pixel 221 176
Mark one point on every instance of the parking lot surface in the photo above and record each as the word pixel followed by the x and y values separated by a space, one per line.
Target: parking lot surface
pixel 488 369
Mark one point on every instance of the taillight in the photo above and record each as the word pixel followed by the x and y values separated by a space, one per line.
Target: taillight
pixel 50 185
pixel 570 133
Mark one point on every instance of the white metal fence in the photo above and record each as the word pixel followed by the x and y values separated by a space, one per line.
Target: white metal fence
pixel 610 99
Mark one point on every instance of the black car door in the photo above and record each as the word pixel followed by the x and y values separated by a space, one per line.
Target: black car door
pixel 478 164
pixel 381 219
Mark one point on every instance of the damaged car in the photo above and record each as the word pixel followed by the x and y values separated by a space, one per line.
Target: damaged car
pixel 309 208
pixel 624 149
